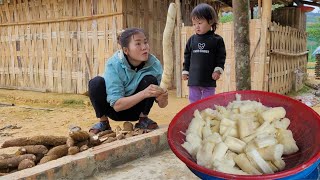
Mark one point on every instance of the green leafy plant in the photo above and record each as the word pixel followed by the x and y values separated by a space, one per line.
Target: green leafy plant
pixel 226 18
pixel 313 31
pixel 305 89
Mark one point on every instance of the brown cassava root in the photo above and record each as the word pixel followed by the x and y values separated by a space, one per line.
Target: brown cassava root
pixel 79 135
pixel 26 163
pixel 34 149
pixel 59 151
pixel 36 140
pixel 14 161
pixel 55 153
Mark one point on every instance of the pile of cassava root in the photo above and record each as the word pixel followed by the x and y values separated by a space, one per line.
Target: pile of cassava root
pixel 41 149
pixel 245 138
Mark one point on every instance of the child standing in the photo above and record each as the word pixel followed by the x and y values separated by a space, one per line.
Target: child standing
pixel 204 55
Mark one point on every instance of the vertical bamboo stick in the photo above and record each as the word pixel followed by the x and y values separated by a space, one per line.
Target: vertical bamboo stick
pixel 177 44
pixel 265 20
pixel 259 9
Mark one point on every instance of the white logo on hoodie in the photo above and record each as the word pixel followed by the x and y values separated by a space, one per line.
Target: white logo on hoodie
pixel 200 49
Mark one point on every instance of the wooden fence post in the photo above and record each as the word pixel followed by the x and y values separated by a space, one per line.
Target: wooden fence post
pixel 177 51
pixel 265 20
pixel 317 68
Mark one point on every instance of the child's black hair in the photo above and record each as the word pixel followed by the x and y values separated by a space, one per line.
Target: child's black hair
pixel 124 36
pixel 205 11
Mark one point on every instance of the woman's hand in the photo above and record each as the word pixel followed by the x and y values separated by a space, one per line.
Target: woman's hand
pixel 159 93
pixel 162 99
pixel 215 75
pixel 185 76
pixel 128 102
pixel 152 91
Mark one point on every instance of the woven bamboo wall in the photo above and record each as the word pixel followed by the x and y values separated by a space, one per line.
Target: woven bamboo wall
pixel 288 53
pixel 151 16
pixel 56 45
pixel 59 45
pixel 188 5
pixel 227 81
pixel 290 16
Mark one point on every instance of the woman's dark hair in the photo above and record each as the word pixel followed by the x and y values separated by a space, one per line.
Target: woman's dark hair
pixel 124 36
pixel 205 11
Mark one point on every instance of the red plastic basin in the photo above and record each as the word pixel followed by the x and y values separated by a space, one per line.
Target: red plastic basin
pixel 305 126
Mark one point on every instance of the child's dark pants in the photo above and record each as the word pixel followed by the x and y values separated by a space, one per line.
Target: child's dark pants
pixel 98 97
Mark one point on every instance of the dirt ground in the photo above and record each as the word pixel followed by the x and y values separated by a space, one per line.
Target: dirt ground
pixel 36 113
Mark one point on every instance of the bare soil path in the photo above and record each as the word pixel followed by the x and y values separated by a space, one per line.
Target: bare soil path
pixel 38 113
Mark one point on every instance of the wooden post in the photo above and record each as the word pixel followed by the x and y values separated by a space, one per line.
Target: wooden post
pixel 317 68
pixel 242 44
pixel 261 78
pixel 167 75
pixel 177 50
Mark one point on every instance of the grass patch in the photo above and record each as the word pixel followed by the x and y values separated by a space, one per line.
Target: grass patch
pixel 305 89
pixel 311 65
pixel 71 102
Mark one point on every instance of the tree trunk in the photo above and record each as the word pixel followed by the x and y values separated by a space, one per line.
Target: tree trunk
pixel 242 44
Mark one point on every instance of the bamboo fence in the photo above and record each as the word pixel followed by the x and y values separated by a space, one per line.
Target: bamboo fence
pixel 317 67
pixel 290 16
pixel 151 16
pixel 59 45
pixel 288 55
pixel 188 5
pixel 54 45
